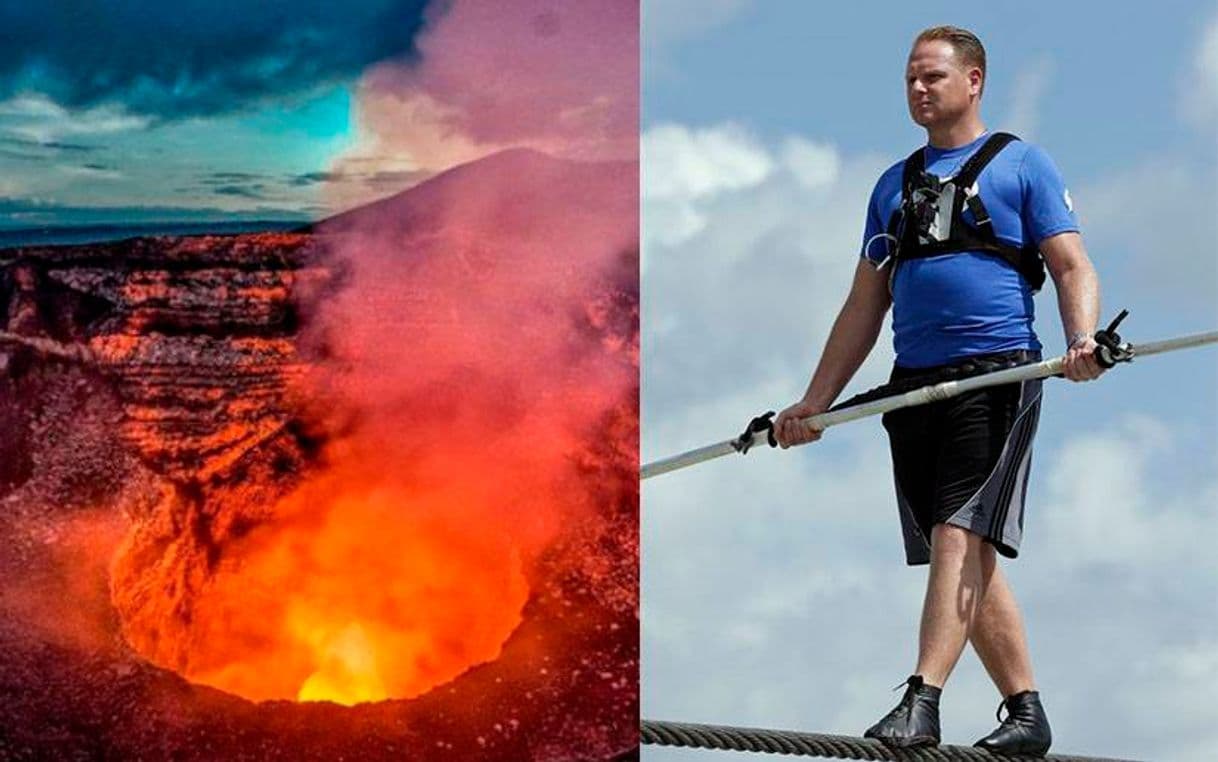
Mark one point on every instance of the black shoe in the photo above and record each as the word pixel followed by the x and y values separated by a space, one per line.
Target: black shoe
pixel 914 721
pixel 1024 731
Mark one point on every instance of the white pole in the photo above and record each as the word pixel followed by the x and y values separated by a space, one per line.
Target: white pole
pixel 921 396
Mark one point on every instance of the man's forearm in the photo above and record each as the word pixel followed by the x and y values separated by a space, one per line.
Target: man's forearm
pixel 1078 299
pixel 850 341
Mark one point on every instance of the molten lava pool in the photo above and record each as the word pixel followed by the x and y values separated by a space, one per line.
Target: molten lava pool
pixel 382 596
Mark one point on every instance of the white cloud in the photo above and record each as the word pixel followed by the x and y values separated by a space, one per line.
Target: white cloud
pixel 1200 86
pixel 814 165
pixel 684 169
pixel 1023 115
pixel 1104 508
pixel 37 117
pixel 1181 680
pixel 689 164
pixel 748 252
pixel 1154 219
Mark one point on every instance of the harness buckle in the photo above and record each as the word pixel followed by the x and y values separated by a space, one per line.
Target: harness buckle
pixel 981 215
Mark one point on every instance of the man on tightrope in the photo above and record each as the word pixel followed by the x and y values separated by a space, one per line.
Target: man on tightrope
pixel 957 240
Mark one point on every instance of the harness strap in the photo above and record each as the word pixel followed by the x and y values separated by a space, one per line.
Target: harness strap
pixel 980 235
pixel 915 165
pixel 989 149
pixel 966 178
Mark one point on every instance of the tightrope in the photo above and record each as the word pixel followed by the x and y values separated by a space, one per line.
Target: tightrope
pixel 729 738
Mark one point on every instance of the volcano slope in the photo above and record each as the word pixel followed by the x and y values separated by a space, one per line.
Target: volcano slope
pixel 366 488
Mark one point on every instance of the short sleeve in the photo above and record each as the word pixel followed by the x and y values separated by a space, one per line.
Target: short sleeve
pixel 875 245
pixel 1047 206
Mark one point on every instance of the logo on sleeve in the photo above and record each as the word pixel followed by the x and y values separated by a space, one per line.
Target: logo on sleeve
pixel 1069 201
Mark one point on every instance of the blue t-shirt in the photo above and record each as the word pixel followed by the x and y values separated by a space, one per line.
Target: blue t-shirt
pixel 963 304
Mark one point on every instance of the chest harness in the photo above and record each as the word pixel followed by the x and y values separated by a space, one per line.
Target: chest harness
pixel 930 218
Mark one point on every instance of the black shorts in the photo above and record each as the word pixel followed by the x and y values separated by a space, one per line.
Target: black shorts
pixel 964 461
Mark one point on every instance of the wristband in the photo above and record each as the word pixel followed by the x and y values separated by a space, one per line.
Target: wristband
pixel 1076 338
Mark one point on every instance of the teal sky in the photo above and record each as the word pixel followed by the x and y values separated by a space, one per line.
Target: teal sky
pixel 227 116
pixel 257 164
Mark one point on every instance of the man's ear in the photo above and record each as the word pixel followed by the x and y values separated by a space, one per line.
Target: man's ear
pixel 976 81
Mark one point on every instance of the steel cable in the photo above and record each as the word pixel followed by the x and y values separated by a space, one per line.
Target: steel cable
pixel 729 738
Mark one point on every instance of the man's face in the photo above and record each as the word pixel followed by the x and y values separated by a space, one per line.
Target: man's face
pixel 938 89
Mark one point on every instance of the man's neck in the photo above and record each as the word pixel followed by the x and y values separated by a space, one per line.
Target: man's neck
pixel 955 135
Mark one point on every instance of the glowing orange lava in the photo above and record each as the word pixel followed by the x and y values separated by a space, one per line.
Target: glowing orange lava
pixel 381 594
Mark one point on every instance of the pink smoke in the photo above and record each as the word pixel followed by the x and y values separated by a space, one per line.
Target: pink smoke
pixel 487 326
pixel 491 311
pixel 559 77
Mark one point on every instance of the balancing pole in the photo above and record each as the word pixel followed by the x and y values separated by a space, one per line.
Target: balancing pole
pixel 1111 350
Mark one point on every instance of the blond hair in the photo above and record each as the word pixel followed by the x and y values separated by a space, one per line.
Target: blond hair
pixel 969 50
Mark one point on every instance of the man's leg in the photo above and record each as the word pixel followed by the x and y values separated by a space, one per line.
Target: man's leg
pixel 998 637
pixel 953 593
pixel 997 633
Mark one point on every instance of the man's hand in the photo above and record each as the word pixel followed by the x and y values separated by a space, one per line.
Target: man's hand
pixel 789 426
pixel 1080 363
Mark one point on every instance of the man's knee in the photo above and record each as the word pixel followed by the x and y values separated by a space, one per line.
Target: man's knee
pixel 948 541
pixel 949 537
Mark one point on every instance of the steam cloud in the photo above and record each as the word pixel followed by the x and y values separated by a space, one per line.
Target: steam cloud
pixel 561 78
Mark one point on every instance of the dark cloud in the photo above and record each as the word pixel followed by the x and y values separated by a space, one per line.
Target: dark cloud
pixel 311 178
pixel 101 167
pixel 49 146
pixel 196 57
pixel 33 151
pixel 255 185
pixel 232 176
pixel 21 149
pixel 244 191
pixel 395 178
pixel 19 212
pixel 68 147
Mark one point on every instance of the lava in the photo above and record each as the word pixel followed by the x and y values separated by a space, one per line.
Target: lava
pixel 360 590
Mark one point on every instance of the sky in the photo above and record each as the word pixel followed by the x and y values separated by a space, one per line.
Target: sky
pixel 775 592
pixel 141 111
